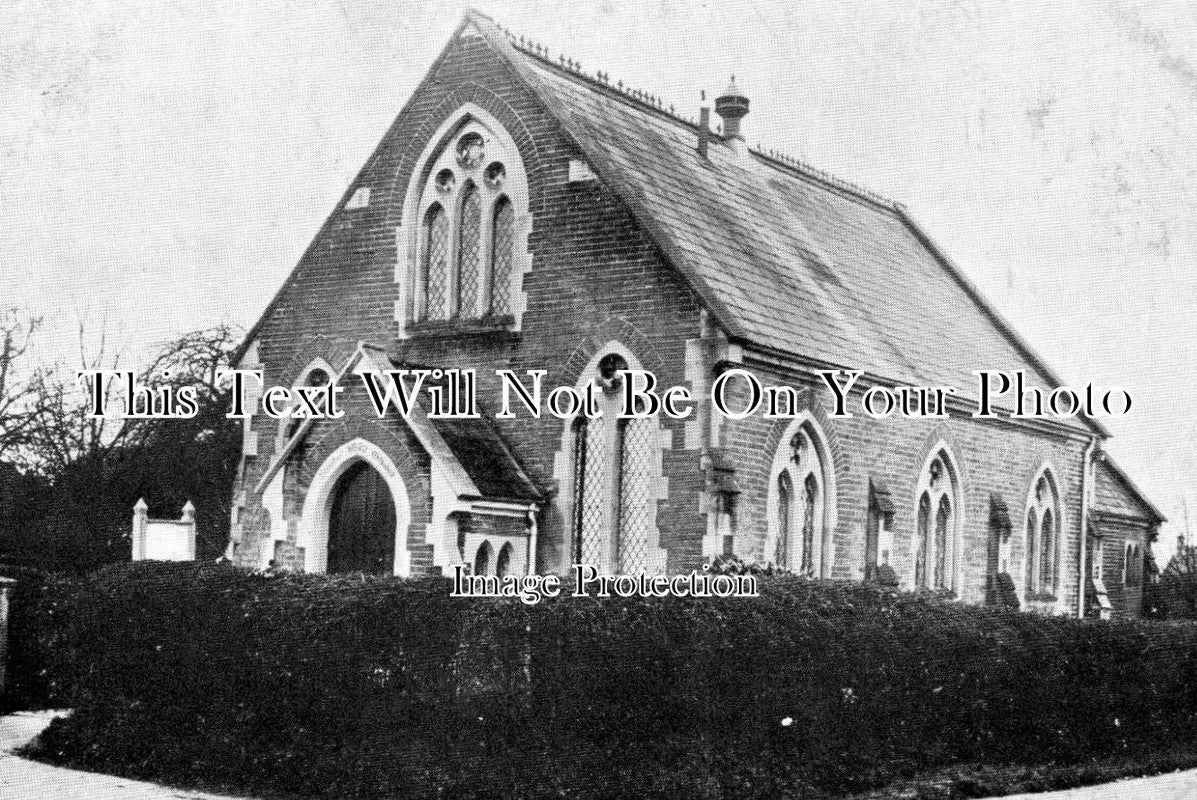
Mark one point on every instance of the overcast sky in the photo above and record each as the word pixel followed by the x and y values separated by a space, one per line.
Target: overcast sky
pixel 164 164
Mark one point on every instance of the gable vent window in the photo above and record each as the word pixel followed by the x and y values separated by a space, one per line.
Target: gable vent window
pixel 468 249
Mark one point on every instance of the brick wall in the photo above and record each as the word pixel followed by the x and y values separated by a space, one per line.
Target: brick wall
pixel 992 457
pixel 595 277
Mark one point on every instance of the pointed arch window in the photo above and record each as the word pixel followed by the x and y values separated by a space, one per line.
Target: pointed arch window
pixel 615 476
pixel 935 545
pixel 468 212
pixel 798 507
pixel 1042 535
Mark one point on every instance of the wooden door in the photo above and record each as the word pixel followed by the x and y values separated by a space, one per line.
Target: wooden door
pixel 361 531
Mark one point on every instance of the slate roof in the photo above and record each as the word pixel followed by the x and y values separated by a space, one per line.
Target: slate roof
pixel 785 257
pixel 1114 492
pixel 479 448
pixel 485 457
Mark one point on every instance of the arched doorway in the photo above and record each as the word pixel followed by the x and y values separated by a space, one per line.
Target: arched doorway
pixel 361 523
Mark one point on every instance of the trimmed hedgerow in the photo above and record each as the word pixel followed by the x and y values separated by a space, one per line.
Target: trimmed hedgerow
pixel 378 687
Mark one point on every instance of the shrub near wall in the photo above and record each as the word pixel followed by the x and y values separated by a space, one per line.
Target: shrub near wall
pixel 26 684
pixel 352 687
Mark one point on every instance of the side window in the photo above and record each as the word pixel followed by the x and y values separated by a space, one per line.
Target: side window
pixel 615 478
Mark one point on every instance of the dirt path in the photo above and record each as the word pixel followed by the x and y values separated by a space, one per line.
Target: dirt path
pixel 1170 786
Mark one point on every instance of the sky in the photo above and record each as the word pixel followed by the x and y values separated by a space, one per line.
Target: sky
pixel 164 164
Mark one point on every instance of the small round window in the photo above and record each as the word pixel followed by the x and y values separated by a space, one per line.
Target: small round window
pixel 470 150
pixel 608 368
pixel 445 180
pixel 495 173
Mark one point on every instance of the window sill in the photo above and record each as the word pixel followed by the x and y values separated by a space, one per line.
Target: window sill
pixel 449 328
pixel 1041 597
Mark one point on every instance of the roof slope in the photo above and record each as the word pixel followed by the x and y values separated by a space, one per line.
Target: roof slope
pixel 786 258
pixel 1116 493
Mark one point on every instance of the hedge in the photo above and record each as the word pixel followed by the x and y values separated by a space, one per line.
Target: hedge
pixel 26 675
pixel 376 687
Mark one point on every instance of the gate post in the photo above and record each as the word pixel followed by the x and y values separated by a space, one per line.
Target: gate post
pixel 5 585
pixel 140 513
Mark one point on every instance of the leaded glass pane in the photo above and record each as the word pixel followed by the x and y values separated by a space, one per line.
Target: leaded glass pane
pixel 942 518
pixel 1048 538
pixel 436 264
pixel 785 493
pixel 469 252
pixel 810 493
pixel 635 495
pixel 1031 544
pixel 502 240
pixel 920 543
pixel 590 495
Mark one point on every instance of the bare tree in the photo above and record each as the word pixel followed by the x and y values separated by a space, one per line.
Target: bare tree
pixel 20 396
pixel 65 432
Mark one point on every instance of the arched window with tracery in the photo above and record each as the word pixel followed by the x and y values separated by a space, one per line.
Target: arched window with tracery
pixel 798 506
pixel 466 206
pixel 1043 514
pixel 936 538
pixel 615 474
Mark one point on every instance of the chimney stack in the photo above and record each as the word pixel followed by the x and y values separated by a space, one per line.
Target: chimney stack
pixel 732 105
pixel 704 130
pixel 1180 543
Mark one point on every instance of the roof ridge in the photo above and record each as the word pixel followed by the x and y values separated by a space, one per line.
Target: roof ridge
pixel 599 80
pixel 602 80
pixel 777 158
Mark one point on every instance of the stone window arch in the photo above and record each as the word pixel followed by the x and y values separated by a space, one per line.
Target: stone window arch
pixel 936 543
pixel 801 501
pixel 467 220
pixel 1042 535
pixel 615 475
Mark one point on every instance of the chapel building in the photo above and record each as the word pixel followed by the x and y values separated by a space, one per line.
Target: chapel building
pixel 523 214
